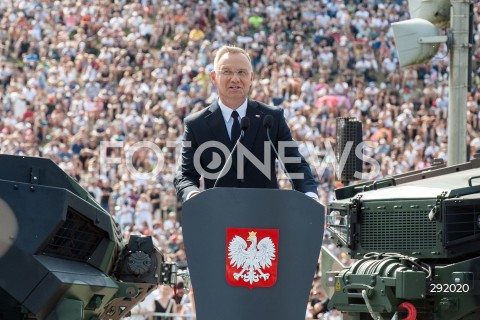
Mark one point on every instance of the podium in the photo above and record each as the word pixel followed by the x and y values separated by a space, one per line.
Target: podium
pixel 230 233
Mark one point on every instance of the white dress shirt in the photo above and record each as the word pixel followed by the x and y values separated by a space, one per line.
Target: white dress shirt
pixel 227 114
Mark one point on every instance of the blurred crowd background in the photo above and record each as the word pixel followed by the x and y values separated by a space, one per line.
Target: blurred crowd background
pixel 83 81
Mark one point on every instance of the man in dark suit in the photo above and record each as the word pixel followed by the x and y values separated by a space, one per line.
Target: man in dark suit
pixel 215 130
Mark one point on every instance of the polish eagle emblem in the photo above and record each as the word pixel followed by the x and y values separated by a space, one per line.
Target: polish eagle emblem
pixel 250 260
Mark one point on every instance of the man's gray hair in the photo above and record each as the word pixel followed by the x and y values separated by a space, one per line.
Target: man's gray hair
pixel 230 49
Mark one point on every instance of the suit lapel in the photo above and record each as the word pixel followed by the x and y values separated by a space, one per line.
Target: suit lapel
pixel 216 123
pixel 255 116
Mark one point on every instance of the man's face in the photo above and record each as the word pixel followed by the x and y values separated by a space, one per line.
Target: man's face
pixel 233 77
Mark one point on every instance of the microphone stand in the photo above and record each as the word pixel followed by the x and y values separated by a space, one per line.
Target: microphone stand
pixel 267 125
pixel 245 123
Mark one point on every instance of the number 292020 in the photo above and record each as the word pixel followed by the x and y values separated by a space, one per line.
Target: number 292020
pixel 449 288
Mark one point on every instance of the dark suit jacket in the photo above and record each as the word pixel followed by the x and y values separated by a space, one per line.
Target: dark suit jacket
pixel 208 125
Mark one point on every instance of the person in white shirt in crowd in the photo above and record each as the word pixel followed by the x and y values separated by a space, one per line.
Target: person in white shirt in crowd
pixel 143 212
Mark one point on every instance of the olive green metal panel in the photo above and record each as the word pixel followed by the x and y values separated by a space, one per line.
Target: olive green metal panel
pixel 399 226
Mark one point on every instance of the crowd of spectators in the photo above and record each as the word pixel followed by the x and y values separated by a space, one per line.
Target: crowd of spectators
pixel 86 83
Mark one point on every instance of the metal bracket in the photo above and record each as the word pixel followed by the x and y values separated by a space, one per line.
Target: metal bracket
pixel 433 39
pixel 438 205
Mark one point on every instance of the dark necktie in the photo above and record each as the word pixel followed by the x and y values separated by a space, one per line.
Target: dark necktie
pixel 235 128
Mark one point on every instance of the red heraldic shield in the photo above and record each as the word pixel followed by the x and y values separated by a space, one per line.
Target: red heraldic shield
pixel 252 257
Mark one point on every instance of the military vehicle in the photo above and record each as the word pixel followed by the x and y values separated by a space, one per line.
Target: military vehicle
pixel 415 244
pixel 62 256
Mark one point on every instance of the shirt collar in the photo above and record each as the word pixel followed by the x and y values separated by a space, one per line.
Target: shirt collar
pixel 227 112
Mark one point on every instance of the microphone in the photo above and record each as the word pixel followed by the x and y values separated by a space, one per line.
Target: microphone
pixel 244 125
pixel 267 124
